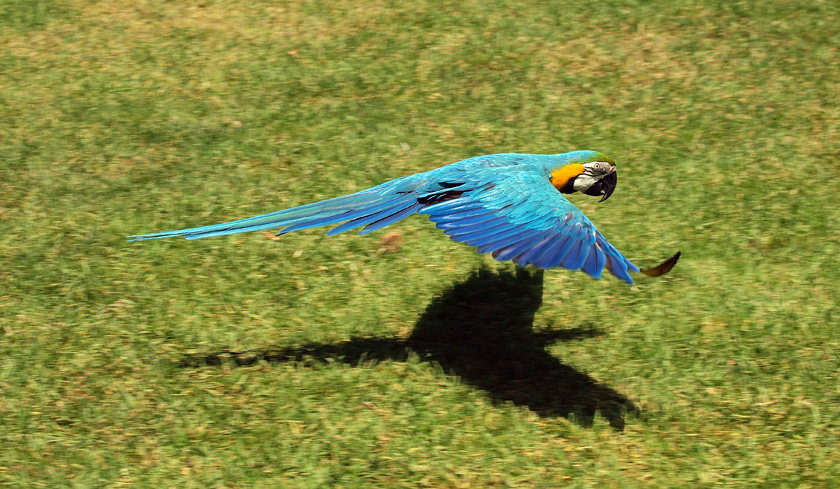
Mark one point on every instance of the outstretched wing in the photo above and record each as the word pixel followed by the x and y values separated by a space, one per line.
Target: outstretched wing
pixel 518 215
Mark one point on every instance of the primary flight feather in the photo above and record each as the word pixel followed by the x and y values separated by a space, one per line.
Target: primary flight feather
pixel 510 205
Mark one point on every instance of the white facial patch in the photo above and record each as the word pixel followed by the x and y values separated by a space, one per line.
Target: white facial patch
pixel 592 172
pixel 584 181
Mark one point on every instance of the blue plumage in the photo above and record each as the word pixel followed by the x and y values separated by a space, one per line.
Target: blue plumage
pixel 504 204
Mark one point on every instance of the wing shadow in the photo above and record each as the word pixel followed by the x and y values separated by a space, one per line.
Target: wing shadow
pixel 482 331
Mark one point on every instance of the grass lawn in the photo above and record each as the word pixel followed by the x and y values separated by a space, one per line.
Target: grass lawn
pixel 402 358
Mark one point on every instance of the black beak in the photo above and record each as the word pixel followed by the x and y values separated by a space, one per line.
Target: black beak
pixel 604 187
pixel 608 183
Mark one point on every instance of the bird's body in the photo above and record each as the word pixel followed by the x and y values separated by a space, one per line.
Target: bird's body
pixel 510 205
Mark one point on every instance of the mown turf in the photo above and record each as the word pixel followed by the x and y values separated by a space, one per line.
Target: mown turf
pixel 404 359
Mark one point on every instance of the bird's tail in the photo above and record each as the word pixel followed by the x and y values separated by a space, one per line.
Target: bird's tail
pixel 373 208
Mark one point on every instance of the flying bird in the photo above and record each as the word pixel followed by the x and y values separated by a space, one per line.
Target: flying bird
pixel 511 205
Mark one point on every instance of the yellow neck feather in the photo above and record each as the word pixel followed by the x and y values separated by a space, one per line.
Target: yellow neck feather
pixel 562 175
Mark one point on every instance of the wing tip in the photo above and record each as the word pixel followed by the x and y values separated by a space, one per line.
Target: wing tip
pixel 663 267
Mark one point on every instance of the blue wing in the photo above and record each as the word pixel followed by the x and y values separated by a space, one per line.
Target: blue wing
pixel 518 215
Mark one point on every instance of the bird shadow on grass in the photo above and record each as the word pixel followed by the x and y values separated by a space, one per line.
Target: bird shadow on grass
pixel 481 330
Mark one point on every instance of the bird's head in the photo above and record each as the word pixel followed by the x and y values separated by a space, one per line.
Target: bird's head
pixel 589 172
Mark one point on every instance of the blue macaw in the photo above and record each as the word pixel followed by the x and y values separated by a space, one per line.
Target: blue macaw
pixel 510 205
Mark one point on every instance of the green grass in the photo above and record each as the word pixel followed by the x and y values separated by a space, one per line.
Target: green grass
pixel 406 359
